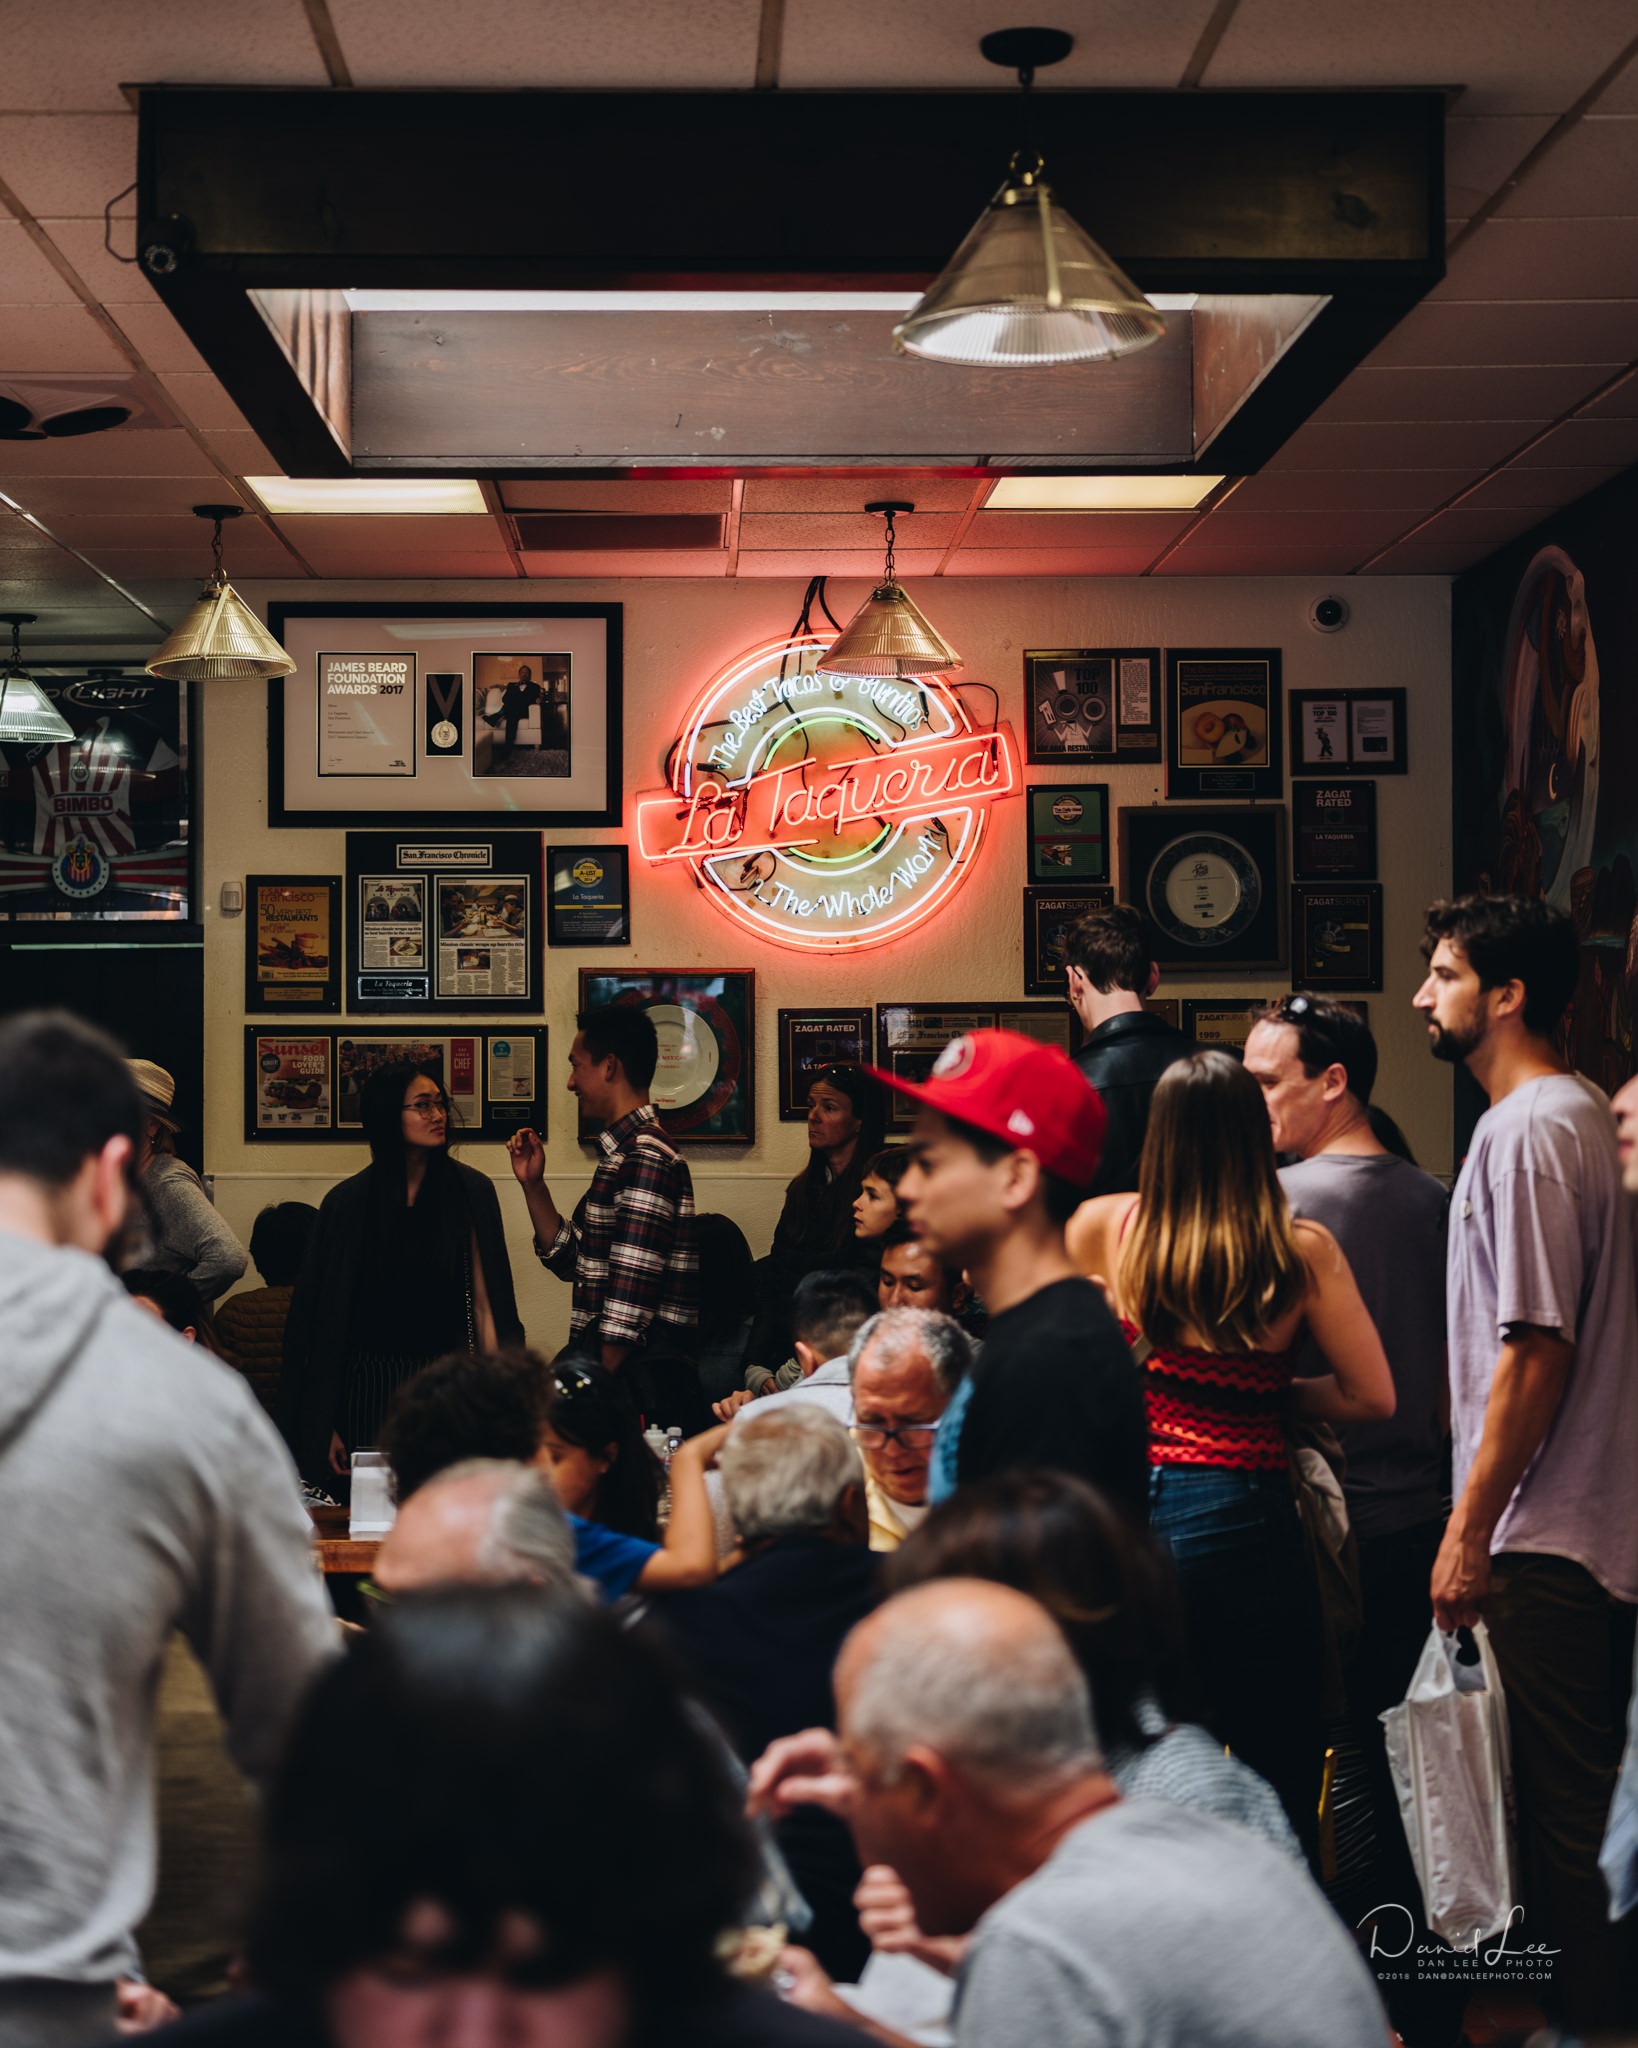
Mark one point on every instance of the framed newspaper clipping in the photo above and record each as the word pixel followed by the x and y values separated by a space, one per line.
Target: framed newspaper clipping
pixel 445 922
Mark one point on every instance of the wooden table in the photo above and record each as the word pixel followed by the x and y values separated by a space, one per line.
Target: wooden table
pixel 337 1551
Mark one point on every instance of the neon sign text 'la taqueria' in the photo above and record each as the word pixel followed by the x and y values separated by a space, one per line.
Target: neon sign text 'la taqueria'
pixel 826 811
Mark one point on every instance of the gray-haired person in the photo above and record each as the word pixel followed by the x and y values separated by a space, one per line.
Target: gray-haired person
pixel 968 1762
pixel 485 1521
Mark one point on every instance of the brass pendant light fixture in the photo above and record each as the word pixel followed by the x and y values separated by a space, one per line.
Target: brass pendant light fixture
pixel 221 638
pixel 27 714
pixel 887 635
pixel 1028 285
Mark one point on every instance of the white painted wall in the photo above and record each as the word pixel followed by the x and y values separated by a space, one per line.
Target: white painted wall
pixel 676 635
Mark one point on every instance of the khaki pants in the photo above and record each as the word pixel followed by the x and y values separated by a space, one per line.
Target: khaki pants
pixel 1565 1649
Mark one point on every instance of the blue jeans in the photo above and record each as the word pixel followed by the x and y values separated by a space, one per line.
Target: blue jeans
pixel 1251 1607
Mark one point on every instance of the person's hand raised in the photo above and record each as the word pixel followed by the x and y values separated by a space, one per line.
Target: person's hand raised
pixel 801 1770
pixel 888 1916
pixel 528 1156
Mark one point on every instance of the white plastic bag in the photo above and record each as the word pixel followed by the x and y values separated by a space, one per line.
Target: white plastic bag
pixel 1448 1751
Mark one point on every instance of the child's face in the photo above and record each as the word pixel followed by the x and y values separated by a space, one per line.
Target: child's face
pixel 874 1207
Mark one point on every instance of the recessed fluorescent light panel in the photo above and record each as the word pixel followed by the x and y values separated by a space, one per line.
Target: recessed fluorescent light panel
pixel 1100 493
pixel 365 494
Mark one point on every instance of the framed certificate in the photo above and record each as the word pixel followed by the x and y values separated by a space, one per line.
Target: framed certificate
pixel 811 1039
pixel 1092 704
pixel 1068 832
pixel 443 921
pixel 1223 722
pixel 588 896
pixel 910 1037
pixel 1333 830
pixel 1336 936
pixel 293 942
pixel 1226 1023
pixel 1348 732
pixel 1048 914
pixel 445 716
pixel 1212 881
pixel 704 1089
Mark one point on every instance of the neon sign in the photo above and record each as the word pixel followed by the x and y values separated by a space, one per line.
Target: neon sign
pixel 826 811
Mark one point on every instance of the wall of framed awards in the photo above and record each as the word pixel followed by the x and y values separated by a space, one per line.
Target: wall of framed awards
pixel 1340 858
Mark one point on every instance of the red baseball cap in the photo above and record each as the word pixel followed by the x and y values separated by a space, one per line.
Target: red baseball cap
pixel 1029 1095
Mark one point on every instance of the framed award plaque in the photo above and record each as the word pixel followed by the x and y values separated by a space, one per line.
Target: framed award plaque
pixel 910 1037
pixel 1348 732
pixel 1092 704
pixel 1068 832
pixel 704 1087
pixel 1211 881
pixel 810 1040
pixel 1226 1023
pixel 1333 831
pixel 1048 914
pixel 1336 935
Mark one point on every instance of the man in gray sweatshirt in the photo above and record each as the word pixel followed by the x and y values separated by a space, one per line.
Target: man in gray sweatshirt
pixel 142 1490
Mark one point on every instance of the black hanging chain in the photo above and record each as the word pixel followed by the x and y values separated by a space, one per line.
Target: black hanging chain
pixel 889 572
pixel 108 225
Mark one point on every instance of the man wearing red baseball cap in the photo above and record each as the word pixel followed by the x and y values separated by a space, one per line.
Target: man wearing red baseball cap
pixel 1003 1150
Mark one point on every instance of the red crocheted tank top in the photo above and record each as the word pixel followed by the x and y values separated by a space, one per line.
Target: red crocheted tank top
pixel 1212 1408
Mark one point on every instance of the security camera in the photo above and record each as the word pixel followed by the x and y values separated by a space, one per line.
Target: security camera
pixel 1328 614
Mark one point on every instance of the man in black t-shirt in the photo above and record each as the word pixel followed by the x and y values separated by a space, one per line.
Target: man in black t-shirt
pixel 1109 958
pixel 1003 1149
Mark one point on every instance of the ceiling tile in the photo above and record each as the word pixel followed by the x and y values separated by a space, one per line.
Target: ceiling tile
pixel 518 43
pixel 558 568
pixel 1482 151
pixel 1513 331
pixel 1471 445
pixel 1419 558
pixel 65 164
pixel 1250 561
pixel 158 339
pixel 26 276
pixel 934 45
pixel 816 531
pixel 396 564
pixel 1541 490
pixel 178 533
pixel 106 278
pixel 1098 531
pixel 104 43
pixel 203 402
pixel 240 454
pixel 34 339
pixel 410 533
pixel 862 562
pixel 1619 404
pixel 1373 396
pixel 1544 259
pixel 1591 170
pixel 1585 444
pixel 852 493
pixel 1358 531
pixel 117 496
pixel 1513 56
pixel 1359 490
pixel 1486 528
pixel 149 452
pixel 638 494
pixel 1051 561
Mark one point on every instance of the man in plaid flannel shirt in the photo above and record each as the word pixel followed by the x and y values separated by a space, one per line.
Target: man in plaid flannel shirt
pixel 629 1247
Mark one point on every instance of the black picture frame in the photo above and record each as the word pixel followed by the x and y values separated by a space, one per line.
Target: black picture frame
pixel 1047 912
pixel 813 1038
pixel 1221 1021
pixel 139 883
pixel 1079 704
pixel 1225 683
pixel 1068 842
pixel 583 909
pixel 910 1036
pixel 412 815
pixel 1336 935
pixel 496 1076
pixel 1333 831
pixel 279 914
pixel 428 876
pixel 1366 730
pixel 1237 859
pixel 724 1000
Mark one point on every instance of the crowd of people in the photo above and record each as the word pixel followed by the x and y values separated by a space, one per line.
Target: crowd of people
pixel 1038 1508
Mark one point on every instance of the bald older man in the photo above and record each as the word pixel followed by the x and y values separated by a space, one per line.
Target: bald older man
pixel 967 1761
pixel 485 1521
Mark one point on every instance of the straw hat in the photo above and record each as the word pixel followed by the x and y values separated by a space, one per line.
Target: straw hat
pixel 157 1089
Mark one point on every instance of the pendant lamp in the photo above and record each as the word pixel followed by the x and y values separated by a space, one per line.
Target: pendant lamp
pixel 1029 284
pixel 27 714
pixel 887 635
pixel 221 637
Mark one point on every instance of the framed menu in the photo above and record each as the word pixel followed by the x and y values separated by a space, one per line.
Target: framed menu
pixel 293 942
pixel 910 1037
pixel 443 921
pixel 450 715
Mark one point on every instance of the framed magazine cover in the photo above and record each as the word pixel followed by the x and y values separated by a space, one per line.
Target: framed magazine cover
pixel 293 943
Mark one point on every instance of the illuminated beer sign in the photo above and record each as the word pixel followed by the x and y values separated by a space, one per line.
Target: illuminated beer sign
pixel 826 811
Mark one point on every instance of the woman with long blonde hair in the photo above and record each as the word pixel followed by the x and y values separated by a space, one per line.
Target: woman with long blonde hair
pixel 1215 1285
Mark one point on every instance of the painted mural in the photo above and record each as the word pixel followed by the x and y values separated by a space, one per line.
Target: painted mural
pixel 1545 678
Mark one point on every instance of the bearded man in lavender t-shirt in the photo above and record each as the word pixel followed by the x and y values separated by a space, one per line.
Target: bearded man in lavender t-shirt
pixel 1543 1329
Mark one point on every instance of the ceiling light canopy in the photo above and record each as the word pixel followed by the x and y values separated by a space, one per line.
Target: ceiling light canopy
pixel 364 494
pixel 221 639
pixel 1029 284
pixel 1100 493
pixel 27 714
pixel 887 635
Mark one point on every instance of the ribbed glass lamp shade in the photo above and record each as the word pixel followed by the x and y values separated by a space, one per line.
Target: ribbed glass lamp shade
pixel 1029 285
pixel 220 639
pixel 27 714
pixel 887 636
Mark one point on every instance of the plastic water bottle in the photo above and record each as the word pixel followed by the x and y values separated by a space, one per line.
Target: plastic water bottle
pixel 655 1438
pixel 673 1443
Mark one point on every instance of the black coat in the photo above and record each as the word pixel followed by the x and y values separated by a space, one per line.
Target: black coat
pixel 335 1267
pixel 1124 1059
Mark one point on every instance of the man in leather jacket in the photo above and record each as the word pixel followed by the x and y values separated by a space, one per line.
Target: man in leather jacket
pixel 1109 955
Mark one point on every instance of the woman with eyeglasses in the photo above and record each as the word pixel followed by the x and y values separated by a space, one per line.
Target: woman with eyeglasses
pixel 1216 1286
pixel 406 1262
